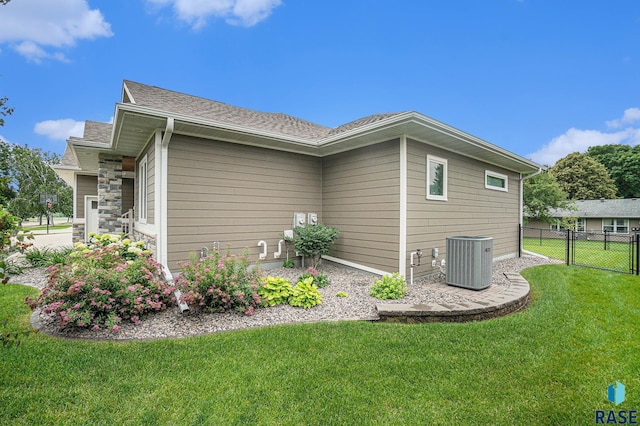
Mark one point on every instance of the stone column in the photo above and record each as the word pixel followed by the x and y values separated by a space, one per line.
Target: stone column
pixel 109 194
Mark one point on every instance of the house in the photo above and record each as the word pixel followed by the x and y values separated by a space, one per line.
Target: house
pixel 197 172
pixel 614 216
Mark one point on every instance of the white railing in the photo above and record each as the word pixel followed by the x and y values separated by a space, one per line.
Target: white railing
pixel 127 223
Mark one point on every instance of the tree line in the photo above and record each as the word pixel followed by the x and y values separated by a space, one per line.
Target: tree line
pixel 25 173
pixel 604 171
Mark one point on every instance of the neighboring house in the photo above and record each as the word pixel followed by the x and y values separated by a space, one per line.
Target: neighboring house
pixel 198 172
pixel 618 216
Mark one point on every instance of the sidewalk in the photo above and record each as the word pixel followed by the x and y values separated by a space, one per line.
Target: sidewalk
pixel 56 237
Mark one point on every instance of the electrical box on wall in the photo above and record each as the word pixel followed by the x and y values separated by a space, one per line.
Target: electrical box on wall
pixel 435 253
pixel 299 219
pixel 312 219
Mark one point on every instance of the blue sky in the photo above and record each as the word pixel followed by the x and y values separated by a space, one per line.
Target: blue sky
pixel 540 78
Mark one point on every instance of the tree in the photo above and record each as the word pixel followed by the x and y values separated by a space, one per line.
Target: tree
pixel 32 175
pixel 541 194
pixel 6 192
pixel 4 109
pixel 623 164
pixel 583 178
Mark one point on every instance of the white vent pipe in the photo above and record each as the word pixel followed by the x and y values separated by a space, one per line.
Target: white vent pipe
pixel 263 243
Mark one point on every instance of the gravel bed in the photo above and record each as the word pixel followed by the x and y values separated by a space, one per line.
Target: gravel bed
pixel 359 305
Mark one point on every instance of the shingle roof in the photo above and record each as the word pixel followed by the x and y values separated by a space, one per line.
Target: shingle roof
pixel 67 159
pixel 618 208
pixel 170 101
pixel 361 122
pixel 95 131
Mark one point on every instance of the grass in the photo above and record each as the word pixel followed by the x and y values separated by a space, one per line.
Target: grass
pixel 587 253
pixel 550 364
pixel 44 227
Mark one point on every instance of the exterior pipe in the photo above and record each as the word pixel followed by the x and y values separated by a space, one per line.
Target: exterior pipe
pixel 418 254
pixel 263 243
pixel 277 254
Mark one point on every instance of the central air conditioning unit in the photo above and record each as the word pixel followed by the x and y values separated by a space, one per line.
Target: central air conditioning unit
pixel 469 262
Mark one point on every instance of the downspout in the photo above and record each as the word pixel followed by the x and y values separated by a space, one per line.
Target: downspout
pixel 402 260
pixel 163 251
pixel 521 207
pixel 162 193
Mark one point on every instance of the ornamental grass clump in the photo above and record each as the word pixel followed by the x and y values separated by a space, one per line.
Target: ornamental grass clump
pixel 389 287
pixel 219 283
pixel 104 283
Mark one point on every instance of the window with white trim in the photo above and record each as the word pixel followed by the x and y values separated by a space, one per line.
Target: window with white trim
pixel 496 181
pixel 577 225
pixel 615 226
pixel 142 190
pixel 436 178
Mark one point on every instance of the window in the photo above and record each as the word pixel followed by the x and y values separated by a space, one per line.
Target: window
pixel 615 226
pixel 436 178
pixel 142 190
pixel 577 225
pixel 497 181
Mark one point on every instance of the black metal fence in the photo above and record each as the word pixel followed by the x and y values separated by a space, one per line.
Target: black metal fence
pixel 602 250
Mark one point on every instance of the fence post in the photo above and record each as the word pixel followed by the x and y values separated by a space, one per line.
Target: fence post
pixel 637 254
pixel 568 251
pixel 605 239
pixel 519 240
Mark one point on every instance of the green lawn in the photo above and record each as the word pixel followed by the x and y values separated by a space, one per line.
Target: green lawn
pixel 550 364
pixel 44 227
pixel 589 253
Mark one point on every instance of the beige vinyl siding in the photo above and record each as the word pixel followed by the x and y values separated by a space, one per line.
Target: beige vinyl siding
pixel 85 185
pixel 471 209
pixel 360 197
pixel 236 195
pixel 151 170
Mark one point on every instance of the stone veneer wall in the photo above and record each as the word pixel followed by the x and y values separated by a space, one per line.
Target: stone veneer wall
pixel 149 241
pixel 78 233
pixel 109 194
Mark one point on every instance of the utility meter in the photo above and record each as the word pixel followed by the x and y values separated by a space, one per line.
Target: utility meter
pixel 312 219
pixel 299 219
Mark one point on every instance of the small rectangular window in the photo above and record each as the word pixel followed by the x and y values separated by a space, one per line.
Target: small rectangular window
pixel 436 178
pixel 496 181
pixel 142 190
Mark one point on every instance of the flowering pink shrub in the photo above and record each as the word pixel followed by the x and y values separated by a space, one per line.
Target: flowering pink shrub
pixel 219 283
pixel 105 284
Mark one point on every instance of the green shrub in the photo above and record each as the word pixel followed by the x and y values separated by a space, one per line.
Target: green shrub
pixel 305 294
pixel 289 263
pixel 103 284
pixel 9 227
pixel 341 294
pixel 314 241
pixel 389 287
pixel 219 283
pixel 47 256
pixel 320 279
pixel 275 291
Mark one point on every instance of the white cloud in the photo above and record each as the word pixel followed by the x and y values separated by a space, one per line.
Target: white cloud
pixel 630 116
pixel 576 140
pixel 60 129
pixel 32 26
pixel 236 12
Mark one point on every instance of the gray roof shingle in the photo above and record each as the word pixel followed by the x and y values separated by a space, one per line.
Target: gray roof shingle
pixel 617 208
pixel 180 103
